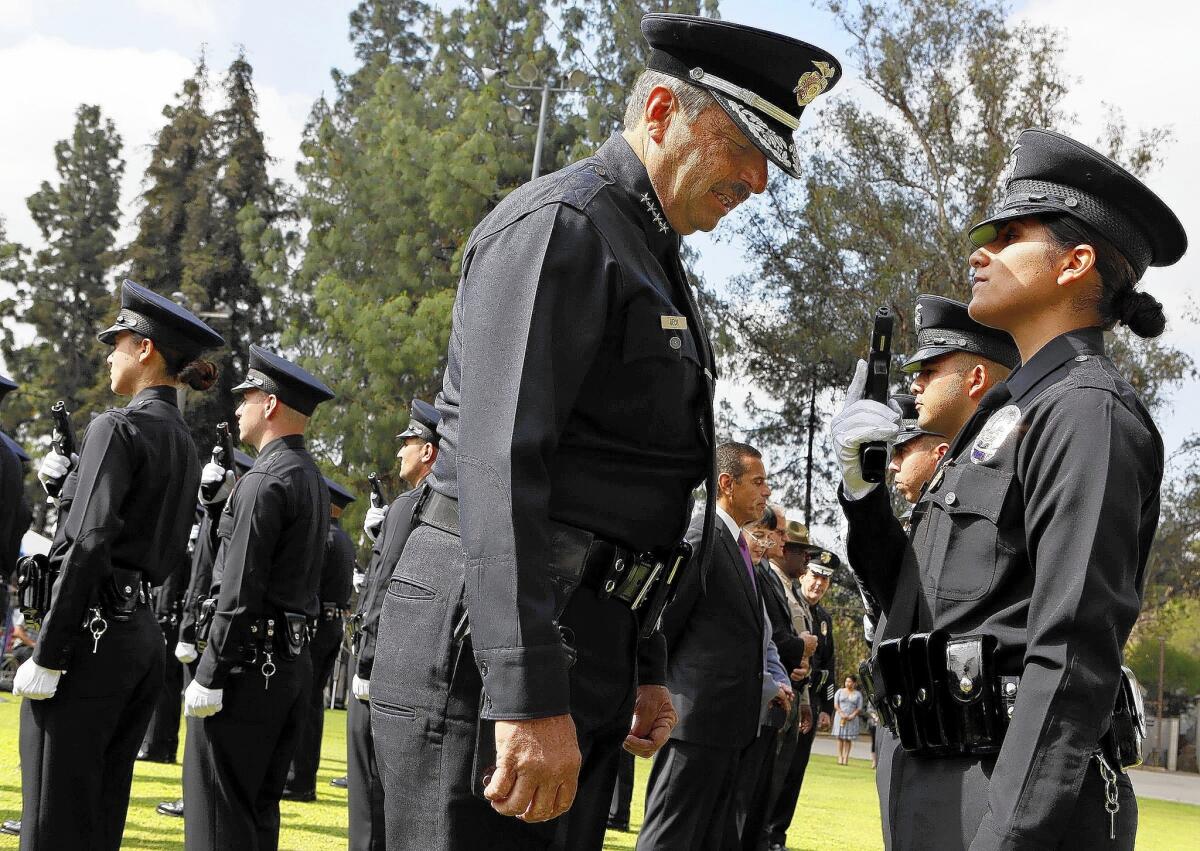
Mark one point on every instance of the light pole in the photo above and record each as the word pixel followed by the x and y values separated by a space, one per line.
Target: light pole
pixel 576 81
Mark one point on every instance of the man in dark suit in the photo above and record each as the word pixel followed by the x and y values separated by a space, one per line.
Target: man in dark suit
pixel 820 565
pixel 715 638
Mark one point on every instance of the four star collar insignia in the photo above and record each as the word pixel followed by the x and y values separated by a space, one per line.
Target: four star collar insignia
pixel 659 221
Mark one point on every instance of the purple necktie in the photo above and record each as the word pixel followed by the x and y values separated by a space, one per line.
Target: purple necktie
pixel 745 548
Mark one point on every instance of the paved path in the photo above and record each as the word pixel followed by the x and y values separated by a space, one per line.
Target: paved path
pixel 1178 786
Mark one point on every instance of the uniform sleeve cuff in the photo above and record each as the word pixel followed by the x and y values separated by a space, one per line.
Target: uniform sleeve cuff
pixel 652 661
pixel 520 683
pixel 209 673
pixel 53 658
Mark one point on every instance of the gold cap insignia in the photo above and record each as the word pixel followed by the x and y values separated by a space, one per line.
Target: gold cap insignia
pixel 826 557
pixel 812 83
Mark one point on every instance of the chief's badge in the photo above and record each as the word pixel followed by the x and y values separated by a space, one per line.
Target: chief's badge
pixel 824 628
pixel 812 83
pixel 995 432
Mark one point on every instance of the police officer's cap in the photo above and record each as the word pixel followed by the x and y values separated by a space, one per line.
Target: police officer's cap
pixel 761 79
pixel 243 461
pixel 1051 173
pixel 908 420
pixel 423 419
pixel 295 386
pixel 170 326
pixel 15 447
pixel 943 326
pixel 7 385
pixel 338 495
pixel 823 562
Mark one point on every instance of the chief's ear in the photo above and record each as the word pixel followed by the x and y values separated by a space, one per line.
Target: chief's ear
pixel 659 111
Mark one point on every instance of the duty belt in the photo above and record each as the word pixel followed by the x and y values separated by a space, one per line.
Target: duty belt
pixel 942 696
pixel 643 581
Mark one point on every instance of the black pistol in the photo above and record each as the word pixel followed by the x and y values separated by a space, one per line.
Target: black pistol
pixel 873 457
pixel 222 453
pixel 62 440
pixel 378 497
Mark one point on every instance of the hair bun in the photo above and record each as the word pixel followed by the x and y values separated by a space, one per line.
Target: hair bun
pixel 199 374
pixel 1141 313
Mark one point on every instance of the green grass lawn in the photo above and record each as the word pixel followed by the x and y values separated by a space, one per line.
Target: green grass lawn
pixel 838 808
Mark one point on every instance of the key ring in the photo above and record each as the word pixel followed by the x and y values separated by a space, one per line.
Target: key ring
pixel 97 626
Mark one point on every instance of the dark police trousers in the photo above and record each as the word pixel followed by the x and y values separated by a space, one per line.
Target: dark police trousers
pixel 78 748
pixel 943 801
pixel 323 648
pixel 787 776
pixel 162 737
pixel 364 789
pixel 236 762
pixel 425 693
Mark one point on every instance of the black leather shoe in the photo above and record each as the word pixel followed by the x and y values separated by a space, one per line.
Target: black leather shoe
pixel 299 794
pixel 340 782
pixel 148 756
pixel 11 827
pixel 171 808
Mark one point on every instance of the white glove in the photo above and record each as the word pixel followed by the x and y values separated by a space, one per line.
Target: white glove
pixel 186 653
pixel 209 476
pixel 35 682
pixel 54 468
pixel 201 702
pixel 860 421
pixel 374 521
pixel 360 577
pixel 361 688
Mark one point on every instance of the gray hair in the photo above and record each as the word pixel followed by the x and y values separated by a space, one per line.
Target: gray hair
pixel 692 100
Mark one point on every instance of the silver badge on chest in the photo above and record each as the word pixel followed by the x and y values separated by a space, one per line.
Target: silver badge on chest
pixel 995 431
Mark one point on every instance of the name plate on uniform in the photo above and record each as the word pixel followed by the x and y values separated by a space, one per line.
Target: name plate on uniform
pixel 674 323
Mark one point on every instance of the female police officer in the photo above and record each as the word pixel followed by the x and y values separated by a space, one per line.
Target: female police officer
pixel 1014 595
pixel 126 509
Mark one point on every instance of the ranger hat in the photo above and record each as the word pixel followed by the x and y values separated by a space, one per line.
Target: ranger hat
pixel 1052 173
pixel 7 385
pixel 823 562
pixel 944 326
pixel 170 326
pixel 908 420
pixel 295 386
pixel 338 495
pixel 423 419
pixel 797 534
pixel 761 79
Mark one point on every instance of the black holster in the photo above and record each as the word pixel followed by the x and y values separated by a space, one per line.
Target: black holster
pixel 122 593
pixel 1122 743
pixel 35 587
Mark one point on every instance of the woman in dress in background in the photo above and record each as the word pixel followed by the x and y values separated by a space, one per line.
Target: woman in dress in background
pixel 848 703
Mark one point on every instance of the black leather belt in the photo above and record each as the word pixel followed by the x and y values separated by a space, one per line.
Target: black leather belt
pixel 941 696
pixel 642 581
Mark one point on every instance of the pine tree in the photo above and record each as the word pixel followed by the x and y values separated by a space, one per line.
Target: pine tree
pixel 62 292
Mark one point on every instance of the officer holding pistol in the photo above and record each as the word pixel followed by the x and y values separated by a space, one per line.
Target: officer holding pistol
pixel 389 528
pixel 249 694
pixel 125 511
pixel 1009 603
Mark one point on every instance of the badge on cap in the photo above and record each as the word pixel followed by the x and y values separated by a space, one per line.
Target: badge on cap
pixel 918 315
pixel 995 432
pixel 1010 166
pixel 826 557
pixel 812 83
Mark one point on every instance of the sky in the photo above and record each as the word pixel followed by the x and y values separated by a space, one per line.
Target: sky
pixel 130 57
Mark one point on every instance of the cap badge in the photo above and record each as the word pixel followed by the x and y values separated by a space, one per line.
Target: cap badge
pixel 812 83
pixel 1011 166
pixel 994 433
pixel 826 557
pixel 918 316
